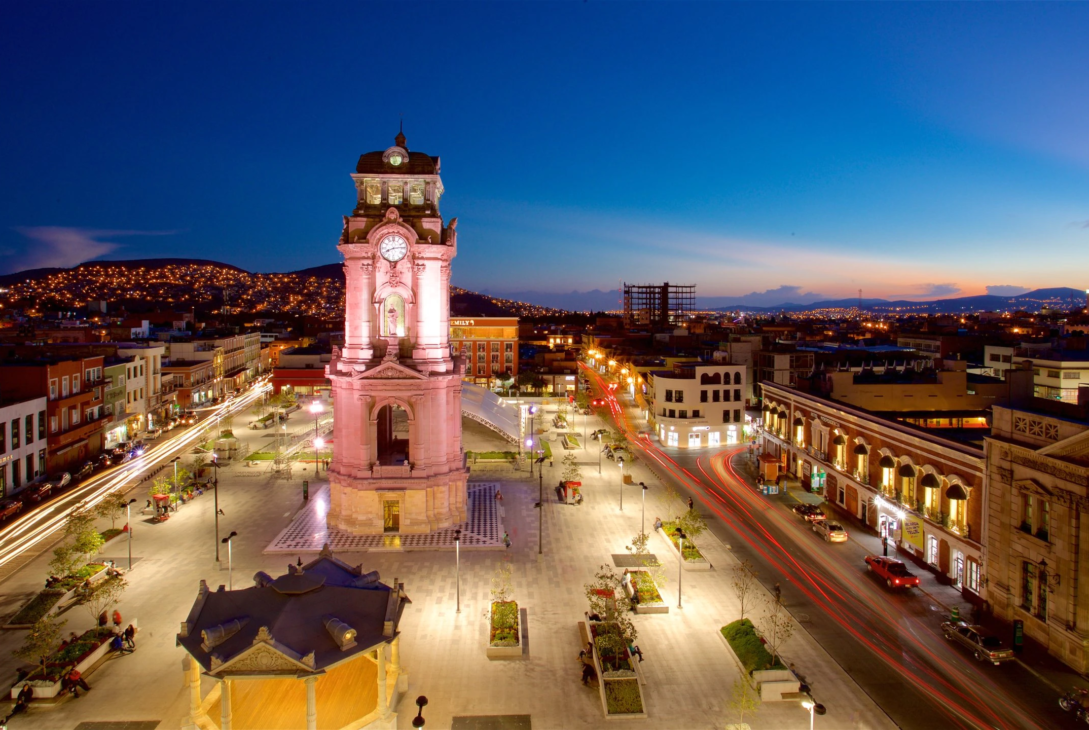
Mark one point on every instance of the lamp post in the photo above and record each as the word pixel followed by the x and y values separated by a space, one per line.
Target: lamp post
pixel 319 442
pixel 620 463
pixel 457 569
pixel 215 493
pixel 643 514
pixel 230 562
pixel 418 721
pixel 316 409
pixel 680 563
pixel 128 522
pixel 532 433
pixel 174 487
pixel 815 708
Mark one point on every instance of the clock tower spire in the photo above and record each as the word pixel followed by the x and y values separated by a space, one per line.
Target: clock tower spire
pixel 398 465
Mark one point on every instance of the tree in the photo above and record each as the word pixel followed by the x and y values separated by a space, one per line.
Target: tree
pixel 582 400
pixel 104 595
pixel 159 486
pixel 571 470
pixel 692 524
pixel 501 582
pixel 640 549
pixel 41 641
pixel 743 699
pixel 112 506
pixel 506 380
pixel 672 500
pixel 776 626
pixel 608 599
pixel 82 541
pixel 744 583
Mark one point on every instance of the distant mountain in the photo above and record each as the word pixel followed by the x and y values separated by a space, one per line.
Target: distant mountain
pixel 1033 301
pixel 594 300
pixel 325 271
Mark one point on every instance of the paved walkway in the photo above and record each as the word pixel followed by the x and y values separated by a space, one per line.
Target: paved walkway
pixel 689 672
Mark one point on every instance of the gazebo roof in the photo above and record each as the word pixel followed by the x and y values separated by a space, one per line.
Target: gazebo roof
pixel 308 619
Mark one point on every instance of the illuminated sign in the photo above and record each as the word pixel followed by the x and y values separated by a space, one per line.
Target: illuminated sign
pixel 463 322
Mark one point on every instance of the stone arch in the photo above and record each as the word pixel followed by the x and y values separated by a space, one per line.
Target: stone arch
pixel 711 379
pixel 390 445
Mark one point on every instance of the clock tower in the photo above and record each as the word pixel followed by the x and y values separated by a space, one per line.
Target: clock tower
pixel 397 461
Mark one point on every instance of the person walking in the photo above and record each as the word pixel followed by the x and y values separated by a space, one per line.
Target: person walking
pixel 117 619
pixel 76 681
pixel 885 545
pixel 506 540
pixel 778 594
pixel 691 504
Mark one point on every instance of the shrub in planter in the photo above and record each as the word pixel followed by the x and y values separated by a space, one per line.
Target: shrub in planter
pixel 39 606
pixel 622 696
pixel 645 587
pixel 748 646
pixel 504 630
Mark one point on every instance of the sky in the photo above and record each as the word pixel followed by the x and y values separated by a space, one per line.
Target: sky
pixel 783 151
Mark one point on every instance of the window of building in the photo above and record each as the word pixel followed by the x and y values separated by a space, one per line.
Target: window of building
pixel 715 396
pixel 971 575
pixel 508 347
pixel 737 394
pixel 28 428
pixel 53 389
pixel 1035 516
pixel 1052 373
pixel 695 414
pixel 672 413
pixel 64 387
pixel 52 424
pixel 678 396
pixel 395 192
pixel 737 415
pixel 1033 590
pixel 737 378
pixel 41 425
pixel 416 193
pixel 932 550
pixel 75 383
pixel 669 396
pixel 3 480
pixel 509 358
pixel 372 191
pixel 994 357
pixel 495 358
pixel 75 416
pixel 14 434
pixel 1071 375
pixel 726 396
pixel 683 413
pixel 3 438
pixel 30 474
pixel 703 396
pixel 725 416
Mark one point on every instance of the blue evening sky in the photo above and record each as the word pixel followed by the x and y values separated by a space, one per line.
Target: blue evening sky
pixel 904 149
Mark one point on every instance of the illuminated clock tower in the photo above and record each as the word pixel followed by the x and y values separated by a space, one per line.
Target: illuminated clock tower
pixel 397 462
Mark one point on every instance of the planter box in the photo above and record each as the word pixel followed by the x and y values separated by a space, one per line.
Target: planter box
pixel 65 599
pixel 733 655
pixel 701 564
pixel 649 607
pixel 633 679
pixel 44 690
pixel 771 684
pixel 507 652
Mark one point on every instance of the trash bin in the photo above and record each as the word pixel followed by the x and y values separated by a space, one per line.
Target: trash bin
pixel 306 490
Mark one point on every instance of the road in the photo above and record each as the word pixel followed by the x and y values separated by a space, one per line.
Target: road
pixel 889 642
pixel 36 529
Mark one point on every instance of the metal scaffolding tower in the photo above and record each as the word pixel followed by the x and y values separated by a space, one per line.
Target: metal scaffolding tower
pixel 658 305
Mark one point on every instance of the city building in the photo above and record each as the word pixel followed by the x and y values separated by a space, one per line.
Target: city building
pixel 149 404
pixel 74 388
pixel 489 346
pixel 698 405
pixel 1058 373
pixel 236 359
pixel 23 443
pixel 301 370
pixel 1037 537
pixel 922 491
pixel 398 466
pixel 194 381
pixel 114 430
pixel 658 305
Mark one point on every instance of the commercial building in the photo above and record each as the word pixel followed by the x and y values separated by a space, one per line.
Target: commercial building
pixel 922 491
pixel 114 430
pixel 1058 373
pixel 1037 537
pixel 236 359
pixel 301 370
pixel 23 443
pixel 698 405
pixel 489 346
pixel 194 381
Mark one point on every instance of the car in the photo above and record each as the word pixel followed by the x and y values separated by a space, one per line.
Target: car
pixel 809 512
pixel 61 481
pixel 830 531
pixel 84 471
pixel 894 572
pixel 597 402
pixel 36 492
pixel 984 646
pixel 10 508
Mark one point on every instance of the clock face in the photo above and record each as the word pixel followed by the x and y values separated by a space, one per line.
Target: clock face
pixel 395 159
pixel 393 248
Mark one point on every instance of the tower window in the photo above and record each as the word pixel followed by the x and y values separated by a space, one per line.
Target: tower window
pixel 372 190
pixel 396 193
pixel 416 193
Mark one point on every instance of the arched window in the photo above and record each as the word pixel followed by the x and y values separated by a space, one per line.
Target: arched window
pixel 737 378
pixel 710 379
pixel 393 316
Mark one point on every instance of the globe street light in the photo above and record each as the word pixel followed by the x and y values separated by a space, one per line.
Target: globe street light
pixel 319 442
pixel 418 721
pixel 457 573
pixel 815 708
pixel 215 492
pixel 532 433
pixel 230 562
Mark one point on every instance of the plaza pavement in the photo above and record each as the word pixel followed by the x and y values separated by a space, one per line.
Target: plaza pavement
pixel 689 672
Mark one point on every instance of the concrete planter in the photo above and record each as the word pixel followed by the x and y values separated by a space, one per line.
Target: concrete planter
pixel 64 601
pixel 701 564
pixel 46 690
pixel 772 684
pixel 649 607
pixel 632 679
pixel 506 652
pixel 733 655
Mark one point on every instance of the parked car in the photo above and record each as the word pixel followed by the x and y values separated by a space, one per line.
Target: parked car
pixel 894 572
pixel 809 512
pixel 830 531
pixel 84 471
pixel 61 481
pixel 36 492
pixel 10 508
pixel 984 646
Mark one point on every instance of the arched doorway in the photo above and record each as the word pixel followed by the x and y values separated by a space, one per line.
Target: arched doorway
pixel 393 441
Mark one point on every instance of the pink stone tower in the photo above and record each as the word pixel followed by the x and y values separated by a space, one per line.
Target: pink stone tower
pixel 397 461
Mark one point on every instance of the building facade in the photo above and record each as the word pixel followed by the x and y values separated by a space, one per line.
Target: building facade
pixel 925 493
pixel 489 346
pixel 699 405
pixel 1058 374
pixel 398 466
pixel 194 381
pixel 1038 526
pixel 23 444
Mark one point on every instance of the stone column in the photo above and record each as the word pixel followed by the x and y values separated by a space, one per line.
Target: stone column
pixel 311 703
pixel 383 699
pixel 192 678
pixel 225 713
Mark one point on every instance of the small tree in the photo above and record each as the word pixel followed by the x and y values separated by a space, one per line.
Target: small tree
pixel 776 626
pixel 582 400
pixel 608 599
pixel 673 501
pixel 743 700
pixel 112 506
pixel 571 470
pixel 159 486
pixel 640 549
pixel 82 541
pixel 502 586
pixel 41 641
pixel 744 583
pixel 104 595
pixel 692 525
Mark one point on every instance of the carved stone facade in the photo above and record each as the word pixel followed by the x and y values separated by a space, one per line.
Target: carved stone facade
pixel 1037 538
pixel 398 465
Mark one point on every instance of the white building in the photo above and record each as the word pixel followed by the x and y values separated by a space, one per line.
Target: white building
pixel 697 405
pixel 143 385
pixel 1057 374
pixel 22 444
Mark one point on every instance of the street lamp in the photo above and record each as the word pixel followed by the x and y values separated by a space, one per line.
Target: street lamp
pixel 815 708
pixel 128 522
pixel 418 721
pixel 318 443
pixel 532 433
pixel 620 463
pixel 457 570
pixel 643 517
pixel 540 505
pixel 316 409
pixel 215 492
pixel 230 563
pixel 680 563
pixel 174 487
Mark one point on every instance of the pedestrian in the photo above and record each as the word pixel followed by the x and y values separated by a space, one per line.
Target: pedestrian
pixel 506 540
pixel 76 681
pixel 117 643
pixel 885 545
pixel 498 496
pixel 588 672
pixel 26 694
pixel 130 637
pixel 103 619
pixel 657 523
pixel 691 504
pixel 117 618
pixel 778 594
pixel 635 651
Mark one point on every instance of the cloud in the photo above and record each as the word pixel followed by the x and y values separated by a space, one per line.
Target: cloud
pixel 1079 224
pixel 938 290
pixel 783 294
pixel 62 247
pixel 1006 290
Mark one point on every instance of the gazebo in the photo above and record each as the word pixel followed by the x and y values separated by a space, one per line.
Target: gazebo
pixel 305 650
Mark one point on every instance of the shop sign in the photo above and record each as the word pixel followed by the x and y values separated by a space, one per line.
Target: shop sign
pixel 913 531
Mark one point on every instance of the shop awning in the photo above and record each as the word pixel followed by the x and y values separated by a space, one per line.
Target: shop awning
pixel 799 422
pixel 862 449
pixel 839 440
pixel 907 470
pixel 931 481
pixel 956 491
pixel 887 462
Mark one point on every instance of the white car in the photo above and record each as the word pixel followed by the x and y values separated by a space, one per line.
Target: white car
pixel 830 531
